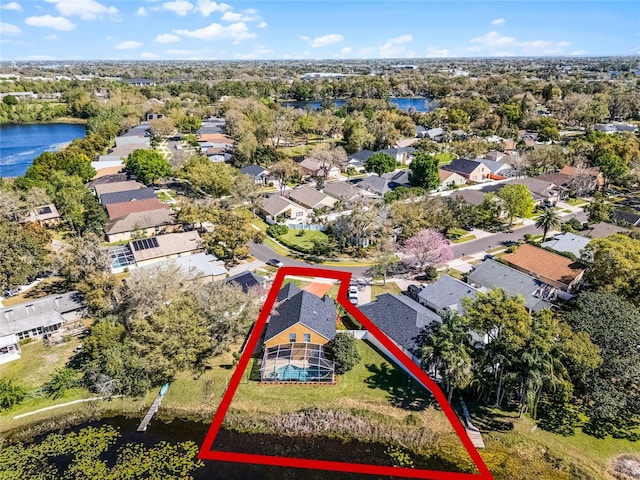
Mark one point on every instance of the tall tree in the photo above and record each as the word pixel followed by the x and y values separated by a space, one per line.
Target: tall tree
pixel 386 259
pixel 380 163
pixel 547 220
pixel 285 171
pixel 425 172
pixel 599 210
pixel 426 249
pixel 246 191
pixel 445 351
pixel 517 201
pixel 147 165
pixel 23 253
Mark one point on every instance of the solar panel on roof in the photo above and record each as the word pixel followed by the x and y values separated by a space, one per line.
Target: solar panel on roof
pixel 144 244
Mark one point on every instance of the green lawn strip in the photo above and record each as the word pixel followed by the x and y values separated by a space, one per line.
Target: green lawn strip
pixel 464 238
pixel 303 243
pixel 452 272
pixel 495 249
pixel 390 287
pixel 567 211
pixel 576 202
pixel 261 224
pixel 276 247
pixel 458 231
pixel 444 157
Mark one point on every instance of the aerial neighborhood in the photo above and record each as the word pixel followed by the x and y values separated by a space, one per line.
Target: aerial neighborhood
pixel 491 230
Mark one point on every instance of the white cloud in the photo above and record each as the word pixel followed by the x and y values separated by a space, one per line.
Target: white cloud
pixel 206 7
pixel 433 52
pixel 498 21
pixel 39 57
pixel 260 51
pixel 47 21
pixel 247 16
pixel 167 38
pixel 85 9
pixel 494 44
pixel 326 40
pixel 235 31
pixel 346 50
pixel 181 7
pixel 262 25
pixel 394 47
pixel 11 6
pixel 128 45
pixel 304 38
pixel 142 12
pixel 8 29
pixel 578 52
pixel 51 37
pixel 148 55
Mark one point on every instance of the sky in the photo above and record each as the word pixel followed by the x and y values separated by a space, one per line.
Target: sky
pixel 301 29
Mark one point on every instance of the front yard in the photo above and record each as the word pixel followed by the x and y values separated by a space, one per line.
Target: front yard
pixel 302 240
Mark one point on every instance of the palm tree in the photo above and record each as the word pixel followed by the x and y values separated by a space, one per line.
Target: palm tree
pixel 547 220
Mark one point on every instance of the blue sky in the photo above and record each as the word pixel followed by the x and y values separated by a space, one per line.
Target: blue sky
pixel 295 29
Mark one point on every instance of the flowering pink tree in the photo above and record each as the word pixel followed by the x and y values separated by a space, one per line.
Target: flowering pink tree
pixel 426 248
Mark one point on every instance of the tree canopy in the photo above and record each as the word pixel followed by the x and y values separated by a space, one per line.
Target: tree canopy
pixel 517 201
pixel 425 172
pixel 380 163
pixel 147 165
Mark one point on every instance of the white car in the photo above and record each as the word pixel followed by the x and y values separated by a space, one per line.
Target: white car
pixel 353 295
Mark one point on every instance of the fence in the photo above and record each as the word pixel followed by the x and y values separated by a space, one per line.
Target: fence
pixel 305 226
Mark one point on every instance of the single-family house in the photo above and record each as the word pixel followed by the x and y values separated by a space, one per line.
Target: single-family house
pixel 593 172
pixel 143 224
pixel 45 215
pixel 445 294
pixel 472 170
pixel 312 198
pixel 449 180
pixel 119 210
pixel 344 191
pixel 358 159
pixel 172 245
pixel 495 156
pixel 275 206
pixel 421 131
pixel 199 266
pixel 499 170
pixel 542 191
pixel 401 155
pixel 615 127
pixel 113 187
pixel 401 319
pixel 435 134
pixel 127 196
pixel 298 330
pixel 317 168
pixel 569 243
pixel 108 178
pixel 400 178
pixel 258 173
pixel 626 217
pixel 603 229
pixel 42 317
pixel 471 196
pixel 491 274
pixel 374 184
pixel 550 268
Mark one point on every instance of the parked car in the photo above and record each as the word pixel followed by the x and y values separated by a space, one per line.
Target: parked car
pixel 274 262
pixel 353 295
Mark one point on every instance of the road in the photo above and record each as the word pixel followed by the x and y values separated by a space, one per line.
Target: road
pixel 263 253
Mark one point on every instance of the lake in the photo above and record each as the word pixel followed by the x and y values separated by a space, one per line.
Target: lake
pixel 419 104
pixel 20 144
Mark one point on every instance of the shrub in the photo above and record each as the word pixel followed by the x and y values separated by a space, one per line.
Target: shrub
pixel 345 352
pixel 430 273
pixel 276 230
pixel 10 393
pixel 62 380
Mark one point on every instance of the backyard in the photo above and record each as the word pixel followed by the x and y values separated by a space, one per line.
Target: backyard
pixel 302 240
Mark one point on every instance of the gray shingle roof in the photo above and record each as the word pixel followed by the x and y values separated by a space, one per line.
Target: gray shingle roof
pixel 31 314
pixel 127 196
pixel 490 274
pixel 288 291
pixel 318 314
pixel 400 318
pixel 343 190
pixel 362 155
pixel 462 165
pixel 445 293
pixel 568 242
pixel 374 184
pixel 253 170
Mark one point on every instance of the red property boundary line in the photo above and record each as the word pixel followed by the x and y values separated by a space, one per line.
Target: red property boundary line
pixel 206 452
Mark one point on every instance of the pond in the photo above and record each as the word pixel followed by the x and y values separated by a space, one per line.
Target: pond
pixel 404 103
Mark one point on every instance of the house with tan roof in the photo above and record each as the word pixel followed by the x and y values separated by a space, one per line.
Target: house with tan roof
pixel 146 251
pixel 275 207
pixel 45 215
pixel 312 198
pixel 119 210
pixel 550 268
pixel 344 191
pixel 450 180
pixel 317 168
pixel 141 224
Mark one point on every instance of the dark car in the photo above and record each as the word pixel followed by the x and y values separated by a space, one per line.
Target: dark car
pixel 274 262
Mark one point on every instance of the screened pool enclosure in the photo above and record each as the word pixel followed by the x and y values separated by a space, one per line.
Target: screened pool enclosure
pixel 297 362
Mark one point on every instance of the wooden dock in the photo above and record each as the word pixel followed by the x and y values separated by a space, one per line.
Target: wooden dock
pixel 152 410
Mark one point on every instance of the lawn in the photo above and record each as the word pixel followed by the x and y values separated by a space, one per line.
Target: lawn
pixel 576 202
pixel 452 272
pixel 48 286
pixel 302 240
pixel 38 362
pixel 390 287
pixel 168 196
pixel 464 238
pixel 444 157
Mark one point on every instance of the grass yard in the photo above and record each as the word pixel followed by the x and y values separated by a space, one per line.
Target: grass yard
pixel 167 196
pixel 444 157
pixel 575 202
pixel 304 242
pixel 390 287
pixel 464 238
pixel 452 272
pixel 48 286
